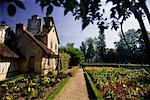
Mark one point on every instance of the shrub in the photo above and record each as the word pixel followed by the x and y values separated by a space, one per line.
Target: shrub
pixel 74 71
pixel 65 59
pixel 77 56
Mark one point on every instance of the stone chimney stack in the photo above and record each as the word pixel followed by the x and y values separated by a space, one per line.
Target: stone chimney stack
pixel 3 29
pixel 48 21
pixel 19 26
pixel 34 24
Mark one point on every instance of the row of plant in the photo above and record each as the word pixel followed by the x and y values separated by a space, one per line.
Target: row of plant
pixel 30 87
pixel 114 65
pixel 121 83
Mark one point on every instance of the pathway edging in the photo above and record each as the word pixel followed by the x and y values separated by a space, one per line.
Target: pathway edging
pixel 75 89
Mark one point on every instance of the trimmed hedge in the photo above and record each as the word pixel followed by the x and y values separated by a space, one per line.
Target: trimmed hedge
pixel 58 90
pixel 93 87
pixel 115 65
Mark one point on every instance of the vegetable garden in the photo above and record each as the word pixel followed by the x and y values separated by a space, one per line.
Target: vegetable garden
pixel 30 86
pixel 121 83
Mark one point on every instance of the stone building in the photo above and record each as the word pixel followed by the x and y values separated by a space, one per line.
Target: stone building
pixel 7 57
pixel 36 45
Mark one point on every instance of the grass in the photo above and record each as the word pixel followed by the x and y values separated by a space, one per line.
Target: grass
pixel 57 91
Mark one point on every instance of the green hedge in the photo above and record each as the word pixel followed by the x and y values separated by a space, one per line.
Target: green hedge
pixel 115 65
pixel 95 90
pixel 58 90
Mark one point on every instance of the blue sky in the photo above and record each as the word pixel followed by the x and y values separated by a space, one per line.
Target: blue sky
pixel 68 29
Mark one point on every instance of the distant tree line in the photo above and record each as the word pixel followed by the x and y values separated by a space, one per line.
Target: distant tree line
pixel 129 49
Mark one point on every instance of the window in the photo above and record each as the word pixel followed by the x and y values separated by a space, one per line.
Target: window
pixel 55 47
pixel 48 61
pixel 51 44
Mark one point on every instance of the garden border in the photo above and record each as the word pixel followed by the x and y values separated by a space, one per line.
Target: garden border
pixel 115 65
pixel 12 78
pixel 58 90
pixel 93 87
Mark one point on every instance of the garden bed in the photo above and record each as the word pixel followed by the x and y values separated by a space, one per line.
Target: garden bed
pixel 121 83
pixel 30 87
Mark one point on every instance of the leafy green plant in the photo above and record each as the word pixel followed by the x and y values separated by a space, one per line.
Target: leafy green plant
pixel 121 83
pixel 28 87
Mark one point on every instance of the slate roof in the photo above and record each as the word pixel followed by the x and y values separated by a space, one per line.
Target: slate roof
pixel 6 52
pixel 39 43
pixel 44 31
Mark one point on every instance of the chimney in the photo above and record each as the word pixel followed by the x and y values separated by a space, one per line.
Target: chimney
pixel 34 17
pixel 34 24
pixel 19 26
pixel 48 21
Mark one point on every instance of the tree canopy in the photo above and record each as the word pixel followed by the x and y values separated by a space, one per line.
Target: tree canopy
pixel 90 48
pixel 90 11
pixel 76 55
pixel 100 46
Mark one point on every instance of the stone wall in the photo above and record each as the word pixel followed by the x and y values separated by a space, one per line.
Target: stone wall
pixel 29 49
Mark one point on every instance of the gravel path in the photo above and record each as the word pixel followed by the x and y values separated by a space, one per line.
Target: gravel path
pixel 75 89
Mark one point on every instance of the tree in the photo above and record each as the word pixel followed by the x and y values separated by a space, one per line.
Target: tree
pixel 76 55
pixel 111 56
pixel 141 50
pixel 100 47
pixel 83 48
pixel 128 45
pixel 132 39
pixel 123 54
pixel 90 49
pixel 90 10
pixel 70 45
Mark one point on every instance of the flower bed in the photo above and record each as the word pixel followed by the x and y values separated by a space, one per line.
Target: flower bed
pixel 121 83
pixel 30 87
